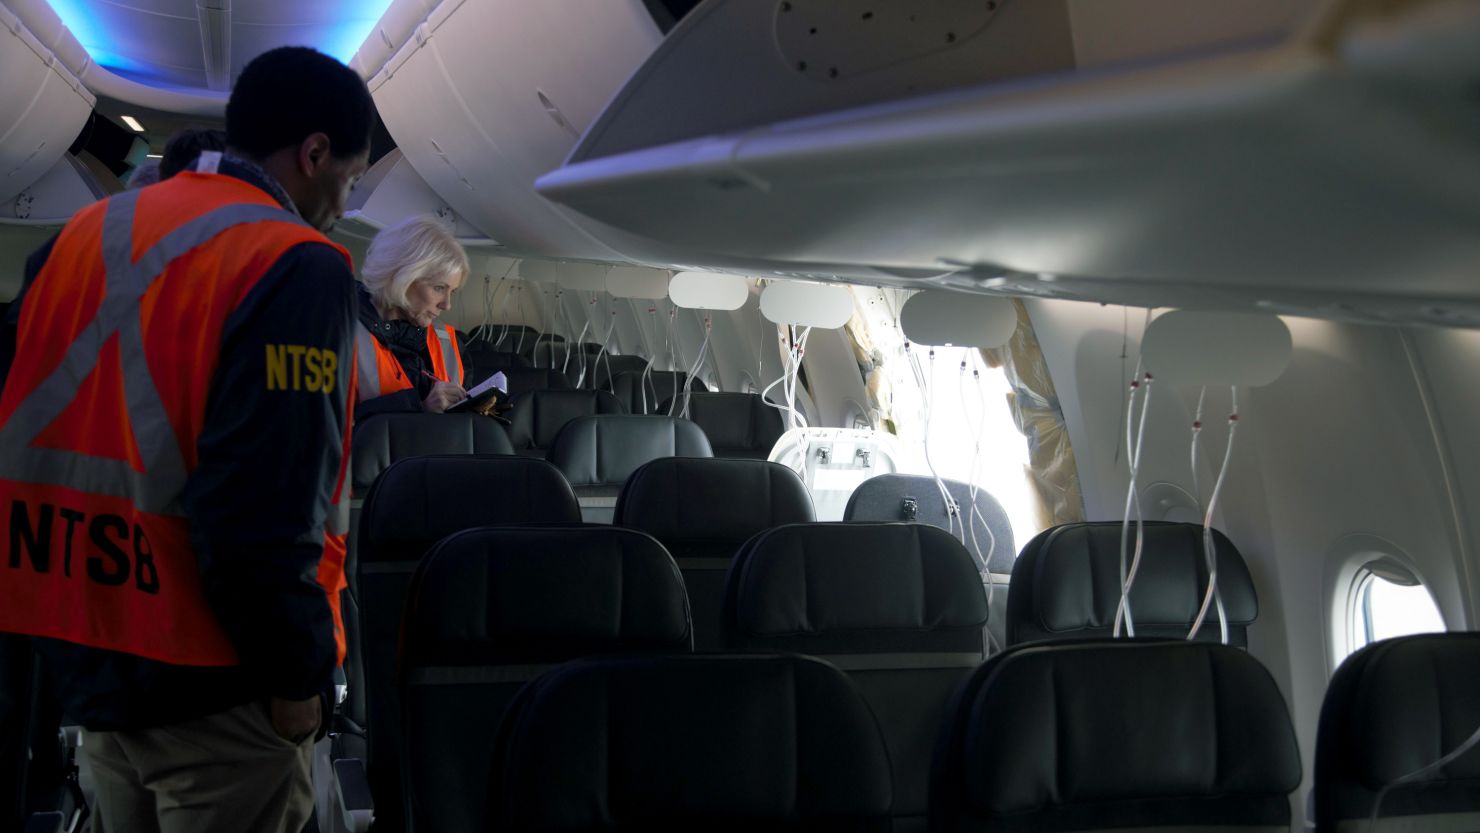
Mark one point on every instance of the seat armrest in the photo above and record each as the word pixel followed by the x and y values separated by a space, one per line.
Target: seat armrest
pixel 352 787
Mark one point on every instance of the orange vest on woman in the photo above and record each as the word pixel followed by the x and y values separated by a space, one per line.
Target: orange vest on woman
pixel 99 425
pixel 380 373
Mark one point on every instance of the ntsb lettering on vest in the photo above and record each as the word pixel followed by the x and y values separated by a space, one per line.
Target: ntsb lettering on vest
pixel 298 367
pixel 113 542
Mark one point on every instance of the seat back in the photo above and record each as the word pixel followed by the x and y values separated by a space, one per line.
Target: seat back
pixel 1394 708
pixel 914 498
pixel 702 510
pixel 382 440
pixel 711 743
pixel 528 379
pixel 899 607
pixel 539 415
pixel 491 609
pixel 414 504
pixel 611 365
pixel 597 453
pixel 643 393
pixel 1116 735
pixel 739 425
pixel 1066 584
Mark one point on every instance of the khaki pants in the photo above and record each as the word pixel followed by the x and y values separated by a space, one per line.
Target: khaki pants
pixel 221 773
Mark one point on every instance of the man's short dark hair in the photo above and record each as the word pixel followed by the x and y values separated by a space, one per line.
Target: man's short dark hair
pixel 287 94
pixel 186 146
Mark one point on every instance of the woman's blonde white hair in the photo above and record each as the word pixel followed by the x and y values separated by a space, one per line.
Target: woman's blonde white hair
pixel 416 248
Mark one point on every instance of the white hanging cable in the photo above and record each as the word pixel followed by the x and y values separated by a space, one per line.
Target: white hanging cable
pixel 794 347
pixel 973 512
pixel 611 329
pixel 675 360
pixel 953 510
pixel 688 383
pixel 1212 595
pixel 647 372
pixel 522 319
pixel 484 327
pixel 1420 774
pixel 504 313
pixel 590 317
pixel 1132 500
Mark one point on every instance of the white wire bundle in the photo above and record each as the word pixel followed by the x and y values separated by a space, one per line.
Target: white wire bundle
pixel 1134 439
pixel 1212 598
pixel 795 348
pixel 688 382
pixel 647 372
pixel 973 512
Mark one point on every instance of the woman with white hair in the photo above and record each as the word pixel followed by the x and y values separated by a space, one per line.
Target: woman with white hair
pixel 407 361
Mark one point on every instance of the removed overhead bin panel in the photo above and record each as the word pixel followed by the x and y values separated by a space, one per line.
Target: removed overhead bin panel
pixel 485 96
pixel 392 191
pixel 42 107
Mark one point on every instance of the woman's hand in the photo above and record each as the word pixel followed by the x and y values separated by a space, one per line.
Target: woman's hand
pixel 443 396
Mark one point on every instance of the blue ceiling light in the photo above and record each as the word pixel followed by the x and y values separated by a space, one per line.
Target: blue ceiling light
pixel 357 21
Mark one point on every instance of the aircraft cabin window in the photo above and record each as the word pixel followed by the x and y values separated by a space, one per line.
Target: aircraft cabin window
pixel 1388 601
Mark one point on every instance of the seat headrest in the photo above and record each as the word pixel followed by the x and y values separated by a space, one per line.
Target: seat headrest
pixel 604 450
pixel 696 743
pixel 839 588
pixel 1066 584
pixel 910 497
pixel 707 508
pixel 527 379
pixel 737 424
pixel 635 388
pixel 1393 708
pixel 612 364
pixel 538 415
pixel 382 440
pixel 1108 734
pixel 543 594
pixel 421 500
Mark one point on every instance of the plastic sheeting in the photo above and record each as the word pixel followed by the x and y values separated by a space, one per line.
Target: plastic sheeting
pixel 1035 406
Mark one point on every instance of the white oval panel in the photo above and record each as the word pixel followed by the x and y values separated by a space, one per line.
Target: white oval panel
pixel 1216 348
pixel 586 277
pixel 637 282
pixel 807 304
pixel 532 269
pixel 708 290
pixel 938 318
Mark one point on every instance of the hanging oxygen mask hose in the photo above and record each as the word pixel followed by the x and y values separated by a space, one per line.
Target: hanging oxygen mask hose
pixel 503 313
pixel 590 314
pixel 522 318
pixel 1420 774
pixel 1212 598
pixel 974 512
pixel 688 382
pixel 1134 438
pixel 794 348
pixel 605 353
pixel 647 372
pixel 485 328
pixel 675 360
pixel 953 509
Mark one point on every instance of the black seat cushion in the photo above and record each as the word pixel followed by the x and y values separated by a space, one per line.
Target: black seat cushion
pixel 901 607
pixel 1110 734
pixel 643 393
pixel 917 498
pixel 413 505
pixel 604 450
pixel 539 415
pixel 610 365
pixel 1393 708
pixel 382 440
pixel 487 611
pixel 1066 584
pixel 525 379
pixel 703 510
pixel 738 425
pixel 691 743
pixel 844 588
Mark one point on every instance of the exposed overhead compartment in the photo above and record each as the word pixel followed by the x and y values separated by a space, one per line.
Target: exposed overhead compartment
pixel 1332 173
pixel 42 107
pixel 390 192
pixel 484 97
pixel 55 197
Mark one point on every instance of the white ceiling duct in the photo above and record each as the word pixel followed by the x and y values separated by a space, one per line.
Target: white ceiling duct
pixel 708 290
pixel 938 318
pixel 1216 348
pixel 637 282
pixel 807 304
pixel 45 107
pixel 585 277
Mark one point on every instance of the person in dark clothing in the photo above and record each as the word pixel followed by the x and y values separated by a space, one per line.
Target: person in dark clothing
pixel 173 448
pixel 183 148
pixel 408 361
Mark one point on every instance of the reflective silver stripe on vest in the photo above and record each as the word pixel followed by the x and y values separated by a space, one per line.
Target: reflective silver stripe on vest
pixel 367 368
pixel 449 354
pixel 158 488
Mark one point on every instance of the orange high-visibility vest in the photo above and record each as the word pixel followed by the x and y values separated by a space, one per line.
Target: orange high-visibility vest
pixel 99 423
pixel 380 373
